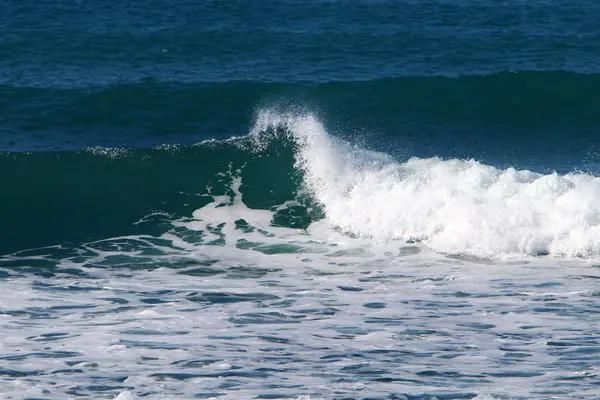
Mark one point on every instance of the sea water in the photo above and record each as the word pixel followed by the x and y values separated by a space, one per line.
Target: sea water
pixel 299 200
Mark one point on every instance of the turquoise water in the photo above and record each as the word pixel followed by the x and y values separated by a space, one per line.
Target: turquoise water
pixel 320 199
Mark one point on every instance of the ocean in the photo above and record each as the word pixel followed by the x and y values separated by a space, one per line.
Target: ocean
pixel 320 199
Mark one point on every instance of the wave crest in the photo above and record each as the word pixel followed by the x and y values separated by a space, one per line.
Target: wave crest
pixel 454 206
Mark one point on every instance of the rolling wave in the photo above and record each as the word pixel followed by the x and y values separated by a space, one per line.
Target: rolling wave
pixel 455 206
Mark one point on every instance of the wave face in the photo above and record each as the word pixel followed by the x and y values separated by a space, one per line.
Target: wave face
pixel 454 206
pixel 101 192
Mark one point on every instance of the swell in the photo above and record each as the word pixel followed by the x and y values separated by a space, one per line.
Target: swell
pixel 540 105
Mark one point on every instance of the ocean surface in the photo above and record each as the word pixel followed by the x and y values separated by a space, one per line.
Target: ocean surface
pixel 320 199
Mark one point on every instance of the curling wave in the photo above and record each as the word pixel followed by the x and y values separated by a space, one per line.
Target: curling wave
pixel 454 206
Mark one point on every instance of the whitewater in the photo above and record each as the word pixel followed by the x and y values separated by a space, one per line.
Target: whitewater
pixel 453 206
pixel 415 279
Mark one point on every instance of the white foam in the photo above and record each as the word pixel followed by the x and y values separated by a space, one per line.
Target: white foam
pixel 126 395
pixel 485 396
pixel 454 206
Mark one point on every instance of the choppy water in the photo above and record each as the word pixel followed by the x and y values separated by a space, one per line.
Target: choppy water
pixel 336 324
pixel 299 200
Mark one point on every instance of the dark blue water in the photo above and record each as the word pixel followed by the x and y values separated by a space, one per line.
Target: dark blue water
pixel 76 73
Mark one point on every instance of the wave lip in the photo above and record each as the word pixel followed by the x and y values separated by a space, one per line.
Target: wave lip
pixel 454 206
